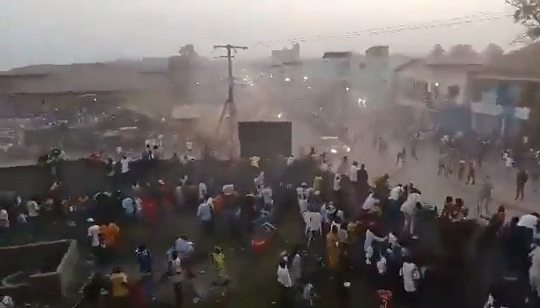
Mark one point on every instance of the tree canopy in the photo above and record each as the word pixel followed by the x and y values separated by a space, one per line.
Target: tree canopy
pixel 527 12
pixel 492 52
pixel 437 51
pixel 462 50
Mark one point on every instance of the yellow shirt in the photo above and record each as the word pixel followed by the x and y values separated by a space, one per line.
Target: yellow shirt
pixel 218 261
pixel 118 288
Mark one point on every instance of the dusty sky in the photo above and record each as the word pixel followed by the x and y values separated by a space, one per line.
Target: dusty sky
pixel 65 31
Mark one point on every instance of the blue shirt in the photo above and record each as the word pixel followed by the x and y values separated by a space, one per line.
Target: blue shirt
pixel 204 212
pixel 183 247
pixel 129 206
pixel 169 254
pixel 145 260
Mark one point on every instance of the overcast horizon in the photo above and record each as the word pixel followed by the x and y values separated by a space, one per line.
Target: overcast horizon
pixel 64 31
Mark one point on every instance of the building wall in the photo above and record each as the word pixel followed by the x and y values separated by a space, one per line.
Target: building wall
pixel 286 55
pixel 496 104
pixel 443 76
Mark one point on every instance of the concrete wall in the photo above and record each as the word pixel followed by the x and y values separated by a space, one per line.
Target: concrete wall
pixel 48 268
pixel 82 177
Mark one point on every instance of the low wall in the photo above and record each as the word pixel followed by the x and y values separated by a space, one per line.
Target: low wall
pixel 82 177
pixel 47 266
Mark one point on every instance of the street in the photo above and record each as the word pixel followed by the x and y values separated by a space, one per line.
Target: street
pixel 297 101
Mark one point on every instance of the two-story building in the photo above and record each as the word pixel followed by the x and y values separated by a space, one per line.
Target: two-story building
pixel 426 88
pixel 496 90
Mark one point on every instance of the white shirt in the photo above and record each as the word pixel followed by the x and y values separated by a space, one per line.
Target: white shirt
pixel 381 266
pixel 259 180
pixel 410 273
pixel 395 193
pixel 267 195
pixel 302 193
pixel 336 183
pixel 324 167
pixel 290 160
pixel 313 221
pixel 534 270
pixel 124 165
pixel 370 237
pixel 176 266
pixel 409 206
pixel 528 221
pixel 509 162
pixel 4 219
pixel 284 277
pixel 308 291
pixel 370 203
pixel 228 189
pixel 203 190
pixel 353 173
pixel 343 168
pixel 296 267
pixel 93 232
pixel 33 208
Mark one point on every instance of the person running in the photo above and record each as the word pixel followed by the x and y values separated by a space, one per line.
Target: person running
pixel 471 176
pixel 521 179
pixel 484 197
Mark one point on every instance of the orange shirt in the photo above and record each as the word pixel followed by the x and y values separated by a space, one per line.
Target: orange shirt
pixel 110 233
pixel 218 203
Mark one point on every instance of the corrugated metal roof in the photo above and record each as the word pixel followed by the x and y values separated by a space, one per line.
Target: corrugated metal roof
pixel 79 78
pixel 337 54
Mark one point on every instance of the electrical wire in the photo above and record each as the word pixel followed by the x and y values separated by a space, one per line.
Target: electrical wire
pixel 445 23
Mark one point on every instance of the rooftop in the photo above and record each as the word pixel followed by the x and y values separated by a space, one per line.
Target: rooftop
pixel 79 78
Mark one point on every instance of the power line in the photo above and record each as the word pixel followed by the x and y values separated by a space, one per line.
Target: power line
pixel 445 23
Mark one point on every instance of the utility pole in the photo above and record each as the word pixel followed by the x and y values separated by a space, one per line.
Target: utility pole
pixel 230 106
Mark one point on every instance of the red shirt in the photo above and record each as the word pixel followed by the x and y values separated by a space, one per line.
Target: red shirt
pixel 136 296
pixel 150 210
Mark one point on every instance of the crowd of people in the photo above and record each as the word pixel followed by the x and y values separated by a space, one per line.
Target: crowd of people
pixel 383 227
pixel 369 231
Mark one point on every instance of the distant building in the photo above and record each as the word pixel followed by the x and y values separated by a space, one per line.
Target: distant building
pixel 433 93
pixel 495 90
pixel 286 56
pixel 375 70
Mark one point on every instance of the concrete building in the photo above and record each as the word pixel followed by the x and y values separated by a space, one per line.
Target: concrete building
pixel 286 56
pixel 373 74
pixel 150 85
pixel 434 87
pixel 496 90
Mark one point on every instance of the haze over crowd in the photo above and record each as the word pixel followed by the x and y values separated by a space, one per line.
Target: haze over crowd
pixel 65 31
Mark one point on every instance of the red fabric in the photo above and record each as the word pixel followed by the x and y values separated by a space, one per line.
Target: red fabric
pixel 385 297
pixel 166 196
pixel 136 296
pixel 150 210
pixel 258 245
pixel 96 156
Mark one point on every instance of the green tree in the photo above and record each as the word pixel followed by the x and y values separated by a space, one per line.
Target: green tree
pixel 527 13
pixel 492 52
pixel 437 51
